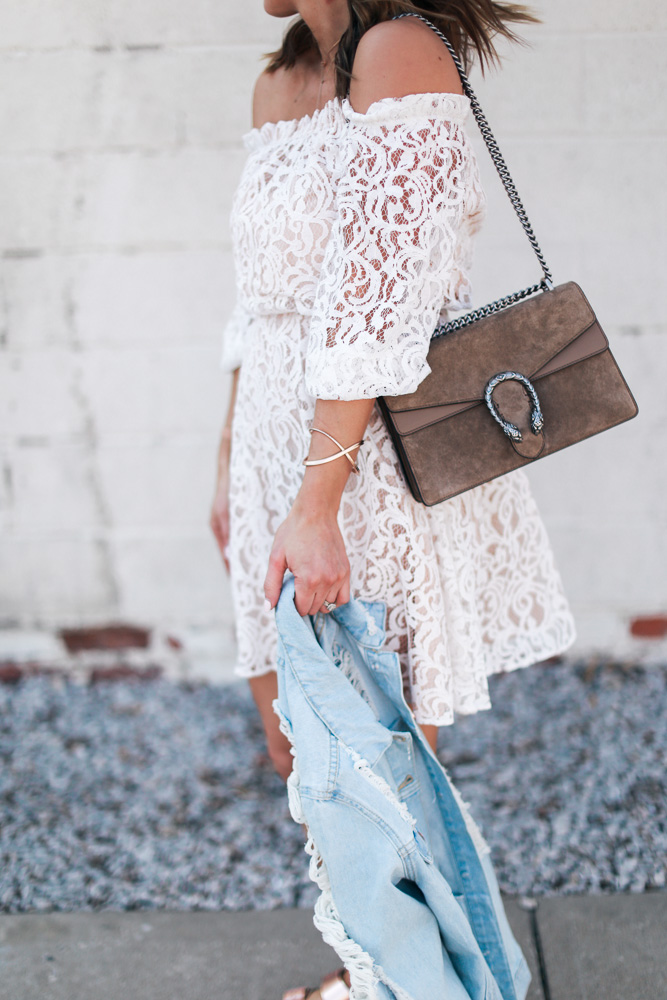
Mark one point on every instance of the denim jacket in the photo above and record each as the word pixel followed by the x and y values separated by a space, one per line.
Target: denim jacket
pixel 409 899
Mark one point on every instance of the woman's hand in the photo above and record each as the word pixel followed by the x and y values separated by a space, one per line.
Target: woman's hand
pixel 309 543
pixel 219 519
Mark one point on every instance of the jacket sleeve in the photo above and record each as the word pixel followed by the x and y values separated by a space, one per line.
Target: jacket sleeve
pixel 392 253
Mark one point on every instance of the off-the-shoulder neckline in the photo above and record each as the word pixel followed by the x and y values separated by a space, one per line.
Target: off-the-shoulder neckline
pixel 422 97
pixel 285 127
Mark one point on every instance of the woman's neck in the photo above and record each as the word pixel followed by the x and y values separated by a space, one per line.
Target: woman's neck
pixel 327 21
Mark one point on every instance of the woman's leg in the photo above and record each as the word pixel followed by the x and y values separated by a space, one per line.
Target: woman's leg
pixel 431 734
pixel 264 690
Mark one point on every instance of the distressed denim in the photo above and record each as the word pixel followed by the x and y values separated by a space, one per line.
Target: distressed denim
pixel 409 899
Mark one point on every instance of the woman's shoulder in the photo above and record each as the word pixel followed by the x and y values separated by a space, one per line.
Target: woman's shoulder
pixel 396 58
pixel 278 94
pixel 270 97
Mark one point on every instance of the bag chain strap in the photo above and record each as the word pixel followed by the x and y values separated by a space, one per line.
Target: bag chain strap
pixel 512 194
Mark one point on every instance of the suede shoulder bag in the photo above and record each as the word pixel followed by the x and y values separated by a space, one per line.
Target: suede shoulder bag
pixel 510 382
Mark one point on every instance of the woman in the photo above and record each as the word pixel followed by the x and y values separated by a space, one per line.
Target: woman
pixel 353 226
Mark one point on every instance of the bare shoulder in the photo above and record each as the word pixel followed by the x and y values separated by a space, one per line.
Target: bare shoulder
pixel 395 58
pixel 276 95
pixel 270 97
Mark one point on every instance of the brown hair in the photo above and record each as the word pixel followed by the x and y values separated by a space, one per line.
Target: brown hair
pixel 470 26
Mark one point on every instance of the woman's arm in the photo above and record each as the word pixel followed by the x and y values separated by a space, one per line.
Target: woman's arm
pixel 393 59
pixel 309 542
pixel 219 519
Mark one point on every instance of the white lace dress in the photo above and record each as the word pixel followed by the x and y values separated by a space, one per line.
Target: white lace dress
pixel 352 235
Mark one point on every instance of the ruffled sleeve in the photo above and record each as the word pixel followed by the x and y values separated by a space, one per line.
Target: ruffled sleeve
pixel 391 260
pixel 235 337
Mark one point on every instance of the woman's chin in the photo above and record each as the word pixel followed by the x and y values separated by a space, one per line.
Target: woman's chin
pixel 280 8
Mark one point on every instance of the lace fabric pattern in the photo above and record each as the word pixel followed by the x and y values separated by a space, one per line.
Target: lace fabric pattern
pixel 395 251
pixel 352 235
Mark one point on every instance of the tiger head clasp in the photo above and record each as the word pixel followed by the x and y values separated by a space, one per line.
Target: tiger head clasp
pixel 536 415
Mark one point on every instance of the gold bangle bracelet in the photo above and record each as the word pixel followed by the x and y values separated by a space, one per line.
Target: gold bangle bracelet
pixel 338 454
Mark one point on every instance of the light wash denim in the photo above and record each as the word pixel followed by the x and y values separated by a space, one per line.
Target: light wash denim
pixel 409 898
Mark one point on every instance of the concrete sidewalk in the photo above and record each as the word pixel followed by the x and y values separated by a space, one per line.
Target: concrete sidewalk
pixel 579 948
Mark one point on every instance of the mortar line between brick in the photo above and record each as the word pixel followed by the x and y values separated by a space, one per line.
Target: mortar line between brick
pixel 129 249
pixel 162 46
pixel 140 48
pixel 585 138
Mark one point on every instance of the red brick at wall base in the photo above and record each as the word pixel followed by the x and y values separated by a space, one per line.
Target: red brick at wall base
pixel 651 627
pixel 118 636
pixel 10 673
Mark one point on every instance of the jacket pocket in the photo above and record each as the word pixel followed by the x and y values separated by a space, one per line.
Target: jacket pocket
pixel 400 764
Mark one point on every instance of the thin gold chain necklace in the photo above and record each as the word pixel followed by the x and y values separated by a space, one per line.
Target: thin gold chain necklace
pixel 323 66
pixel 319 95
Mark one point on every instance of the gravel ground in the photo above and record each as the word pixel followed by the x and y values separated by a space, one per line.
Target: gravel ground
pixel 144 795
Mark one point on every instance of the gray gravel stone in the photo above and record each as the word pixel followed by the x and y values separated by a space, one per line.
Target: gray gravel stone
pixel 154 795
pixel 141 795
pixel 566 777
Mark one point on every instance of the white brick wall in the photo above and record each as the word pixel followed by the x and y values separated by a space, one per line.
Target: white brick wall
pixel 120 127
pixel 583 125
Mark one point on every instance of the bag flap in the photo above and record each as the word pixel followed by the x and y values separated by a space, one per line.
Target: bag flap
pixel 592 341
pixel 524 338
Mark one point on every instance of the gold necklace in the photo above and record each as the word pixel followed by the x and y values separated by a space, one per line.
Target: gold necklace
pixel 319 95
pixel 323 74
